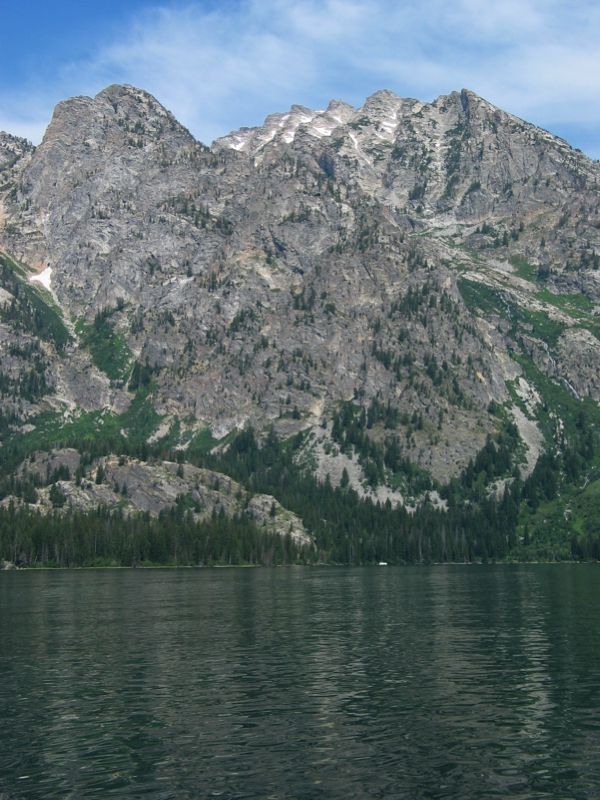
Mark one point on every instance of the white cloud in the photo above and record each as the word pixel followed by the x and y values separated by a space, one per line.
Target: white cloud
pixel 228 66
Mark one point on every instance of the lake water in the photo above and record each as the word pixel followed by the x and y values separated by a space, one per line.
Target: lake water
pixel 409 682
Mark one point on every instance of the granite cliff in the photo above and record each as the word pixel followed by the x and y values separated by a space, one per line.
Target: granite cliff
pixel 402 283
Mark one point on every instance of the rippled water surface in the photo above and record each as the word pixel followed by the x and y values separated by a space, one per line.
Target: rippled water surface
pixel 431 682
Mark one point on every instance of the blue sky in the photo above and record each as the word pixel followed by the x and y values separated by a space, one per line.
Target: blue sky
pixel 220 65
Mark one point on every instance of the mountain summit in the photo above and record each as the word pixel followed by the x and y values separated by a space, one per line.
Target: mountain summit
pixel 402 285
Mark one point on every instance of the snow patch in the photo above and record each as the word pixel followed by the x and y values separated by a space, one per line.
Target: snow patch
pixel 356 146
pixel 283 128
pixel 266 138
pixel 43 277
pixel 323 128
pixel 354 140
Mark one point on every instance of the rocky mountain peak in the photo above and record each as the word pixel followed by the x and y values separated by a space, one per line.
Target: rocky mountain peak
pixel 340 107
pixel 123 94
pixel 384 100
pixel 406 292
pixel 279 273
pixel 281 129
pixel 12 149
pixel 118 114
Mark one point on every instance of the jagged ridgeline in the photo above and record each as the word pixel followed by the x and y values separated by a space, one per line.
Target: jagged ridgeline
pixel 348 335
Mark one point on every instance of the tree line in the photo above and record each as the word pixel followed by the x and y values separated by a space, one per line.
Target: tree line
pixel 474 524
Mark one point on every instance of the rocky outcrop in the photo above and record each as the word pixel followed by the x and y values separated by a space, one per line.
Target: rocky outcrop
pixel 132 486
pixel 393 255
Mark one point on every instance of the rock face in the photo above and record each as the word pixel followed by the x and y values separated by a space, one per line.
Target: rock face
pixel 12 149
pixel 395 256
pixel 132 486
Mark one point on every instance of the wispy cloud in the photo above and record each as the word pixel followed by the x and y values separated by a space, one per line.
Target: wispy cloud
pixel 229 64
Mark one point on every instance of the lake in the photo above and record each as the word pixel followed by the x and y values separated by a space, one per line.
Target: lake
pixel 390 682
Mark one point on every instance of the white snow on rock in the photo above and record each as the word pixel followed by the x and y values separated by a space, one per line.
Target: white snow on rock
pixel 285 127
pixel 237 143
pixel 43 277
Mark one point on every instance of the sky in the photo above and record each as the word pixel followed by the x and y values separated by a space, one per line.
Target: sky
pixel 222 65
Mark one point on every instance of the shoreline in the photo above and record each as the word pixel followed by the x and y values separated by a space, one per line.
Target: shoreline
pixel 292 566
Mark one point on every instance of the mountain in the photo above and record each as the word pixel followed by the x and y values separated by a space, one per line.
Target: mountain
pixel 401 298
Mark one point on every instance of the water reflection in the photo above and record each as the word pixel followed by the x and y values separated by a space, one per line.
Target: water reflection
pixel 442 682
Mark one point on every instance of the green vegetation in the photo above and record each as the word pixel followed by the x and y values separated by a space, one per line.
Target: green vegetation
pixel 497 459
pixel 108 348
pixel 477 525
pixel 553 514
pixel 480 296
pixel 101 538
pixel 550 515
pixel 522 521
pixel 382 461
pixel 350 530
pixel 543 327
pixel 524 269
pixel 561 520
pixel 31 309
pixel 491 300
pixel 31 382
pixel 558 404
pixel 203 442
pixel 575 305
pixel 93 433
pixel 566 527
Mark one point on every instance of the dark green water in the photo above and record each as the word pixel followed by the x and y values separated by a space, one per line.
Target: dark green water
pixel 441 682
